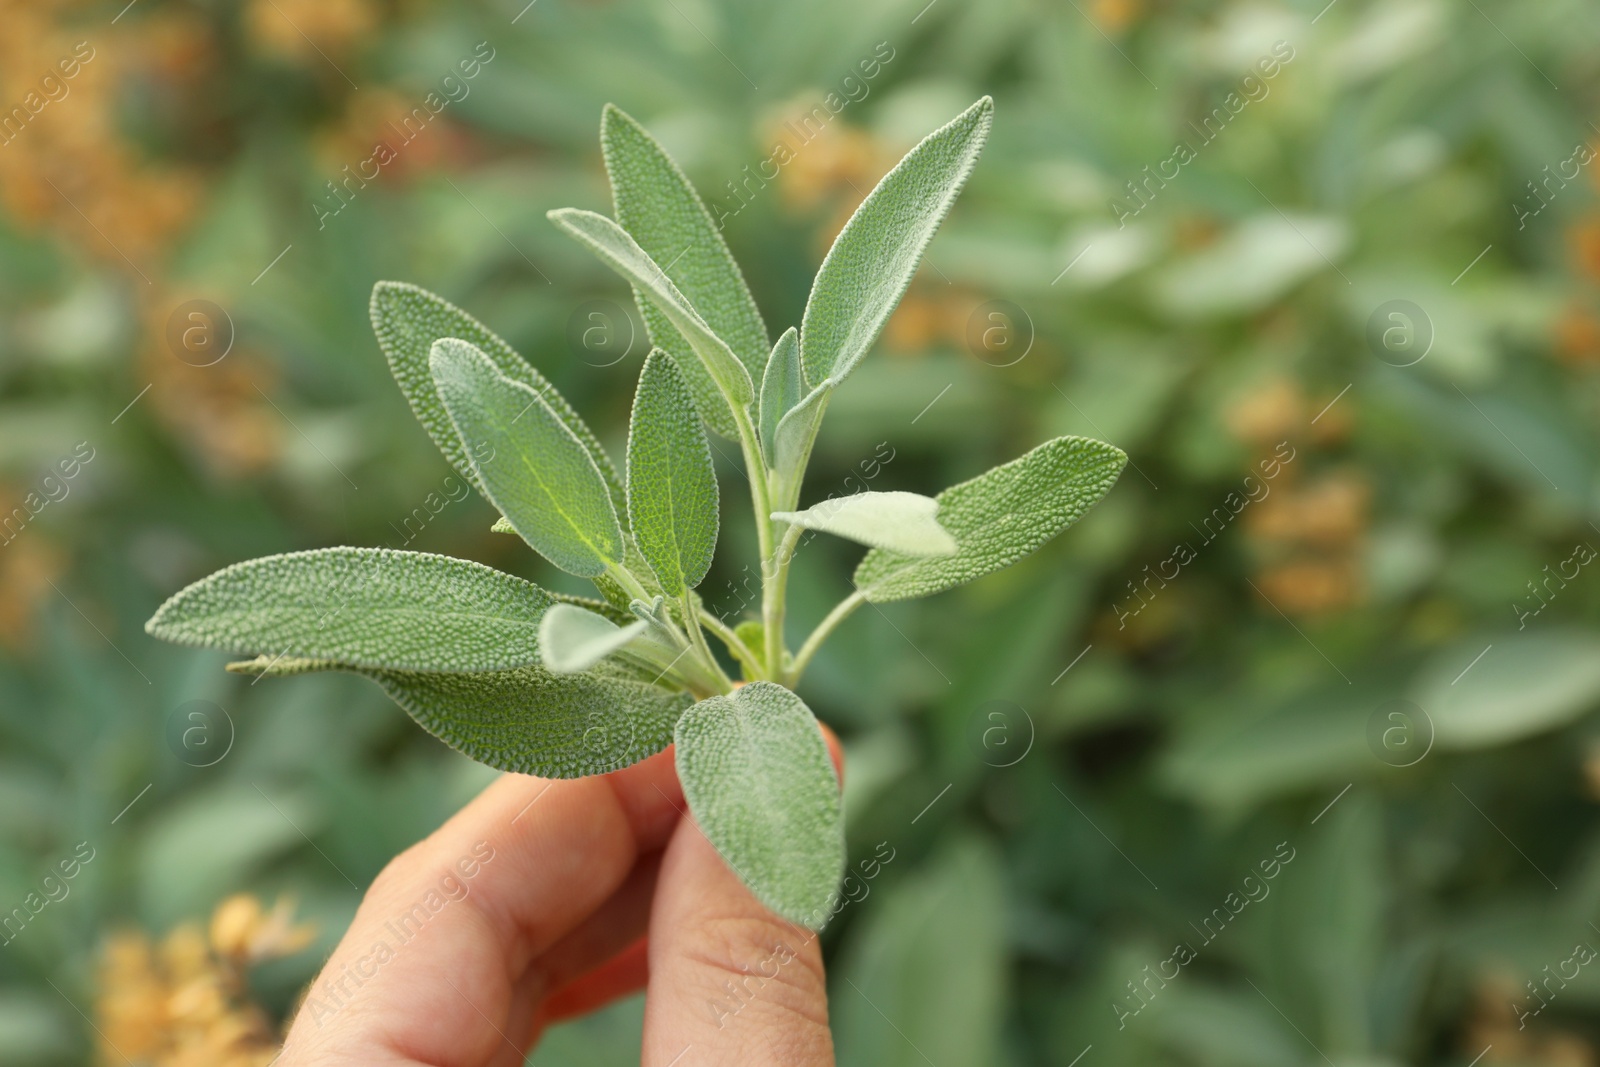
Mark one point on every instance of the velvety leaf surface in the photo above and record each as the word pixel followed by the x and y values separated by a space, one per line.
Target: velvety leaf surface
pixel 528 720
pixel 792 442
pixel 362 607
pixel 408 320
pixel 657 205
pixel 872 260
pixel 572 639
pixel 757 776
pixel 899 522
pixel 782 387
pixel 538 474
pixel 999 517
pixel 717 377
pixel 672 486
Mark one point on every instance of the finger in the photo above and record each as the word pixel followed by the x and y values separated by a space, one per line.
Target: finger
pixel 729 980
pixel 449 933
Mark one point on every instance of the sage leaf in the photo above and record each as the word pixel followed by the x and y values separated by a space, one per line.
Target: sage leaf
pixel 536 472
pixel 408 320
pixel 900 522
pixel 656 204
pixel 782 387
pixel 872 260
pixel 730 384
pixel 756 773
pixel 672 486
pixel 527 720
pixel 792 442
pixel 999 517
pixel 362 607
pixel 573 640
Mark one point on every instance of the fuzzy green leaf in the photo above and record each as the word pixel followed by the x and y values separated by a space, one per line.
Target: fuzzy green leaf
pixel 782 387
pixel 718 378
pixel 672 487
pixel 656 205
pixel 999 517
pixel 757 776
pixel 792 441
pixel 536 472
pixel 872 260
pixel 408 320
pixel 527 720
pixel 362 607
pixel 573 640
pixel 900 522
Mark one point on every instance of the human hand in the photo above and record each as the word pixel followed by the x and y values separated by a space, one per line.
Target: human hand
pixel 531 905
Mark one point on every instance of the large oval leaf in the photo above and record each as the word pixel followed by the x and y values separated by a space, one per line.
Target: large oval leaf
pixel 872 260
pixel 657 205
pixel 532 467
pixel 362 607
pixel 672 486
pixel 999 517
pixel 408 320
pixel 757 776
pixel 528 720
pixel 1481 693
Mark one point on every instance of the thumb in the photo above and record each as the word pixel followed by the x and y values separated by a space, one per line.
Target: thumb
pixel 730 982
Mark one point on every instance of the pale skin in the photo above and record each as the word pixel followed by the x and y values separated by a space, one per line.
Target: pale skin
pixel 596 888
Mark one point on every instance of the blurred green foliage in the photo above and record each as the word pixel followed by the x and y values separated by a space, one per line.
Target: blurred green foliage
pixel 1382 656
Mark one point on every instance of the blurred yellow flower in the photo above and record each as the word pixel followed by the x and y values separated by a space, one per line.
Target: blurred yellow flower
pixel 185 1001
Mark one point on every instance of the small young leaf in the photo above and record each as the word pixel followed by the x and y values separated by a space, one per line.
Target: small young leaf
pixel 900 522
pixel 872 260
pixel 756 773
pixel 792 441
pixel 527 720
pixel 672 487
pixel 657 205
pixel 782 387
pixel 538 473
pixel 573 640
pixel 408 320
pixel 718 378
pixel 999 517
pixel 362 607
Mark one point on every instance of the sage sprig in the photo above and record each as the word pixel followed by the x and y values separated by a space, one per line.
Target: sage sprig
pixel 534 682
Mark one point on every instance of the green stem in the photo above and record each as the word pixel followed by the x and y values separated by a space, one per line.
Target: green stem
pixel 840 612
pixel 742 652
pixel 761 500
pixel 774 609
pixel 697 640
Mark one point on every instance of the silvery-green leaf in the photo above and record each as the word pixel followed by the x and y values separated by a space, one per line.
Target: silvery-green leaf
pixel 716 363
pixel 792 441
pixel 872 260
pixel 999 517
pixel 408 320
pixel 782 387
pixel 756 773
pixel 656 205
pixel 537 471
pixel 672 487
pixel 528 720
pixel 362 607
pixel 899 522
pixel 573 640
